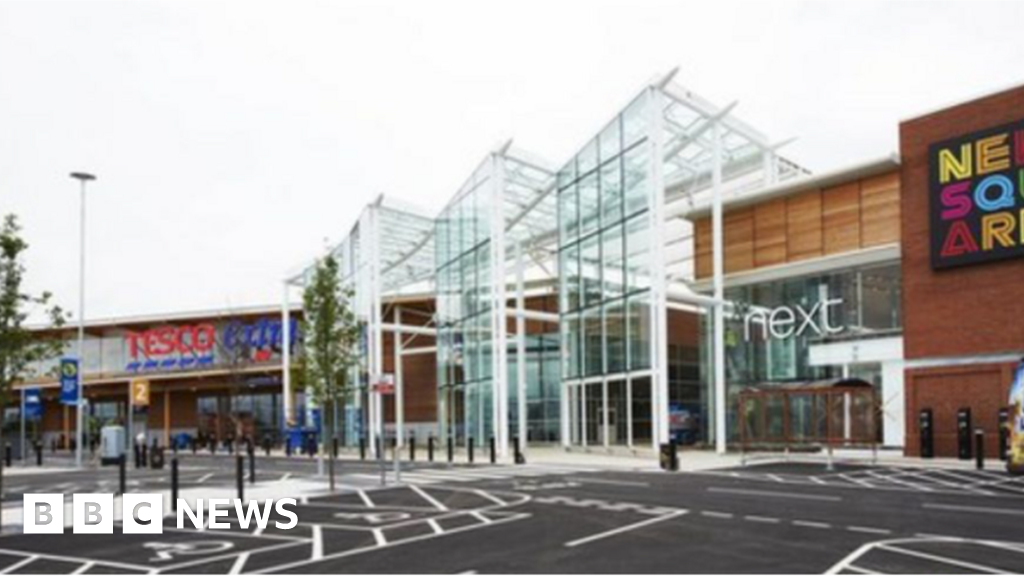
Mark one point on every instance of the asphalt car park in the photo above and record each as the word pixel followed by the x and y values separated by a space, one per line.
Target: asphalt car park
pixel 772 518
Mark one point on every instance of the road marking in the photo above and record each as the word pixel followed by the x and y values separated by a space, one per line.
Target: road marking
pixel 940 559
pixel 723 515
pixel 19 564
pixel 775 494
pixel 860 570
pixel 867 530
pixel 817 480
pixel 286 476
pixel 378 536
pixel 893 479
pixel 239 564
pixel 978 509
pixel 764 519
pixel 623 529
pixel 476 514
pixel 84 568
pixel 366 499
pixel 204 478
pixel 434 526
pixel 433 501
pixel 608 482
pixel 490 497
pixel 809 524
pixel 318 542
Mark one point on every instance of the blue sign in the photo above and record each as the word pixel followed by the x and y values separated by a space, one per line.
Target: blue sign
pixel 33 403
pixel 69 381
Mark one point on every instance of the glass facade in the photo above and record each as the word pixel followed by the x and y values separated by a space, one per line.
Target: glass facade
pixel 605 249
pixel 865 304
pixel 465 324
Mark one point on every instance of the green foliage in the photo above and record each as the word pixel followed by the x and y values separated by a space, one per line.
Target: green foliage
pixel 19 348
pixel 331 335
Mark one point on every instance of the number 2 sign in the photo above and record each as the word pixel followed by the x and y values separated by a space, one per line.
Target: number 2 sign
pixel 140 392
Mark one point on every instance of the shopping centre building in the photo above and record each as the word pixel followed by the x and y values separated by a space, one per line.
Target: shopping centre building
pixel 679 264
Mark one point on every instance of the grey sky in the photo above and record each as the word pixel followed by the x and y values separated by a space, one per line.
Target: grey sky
pixel 230 139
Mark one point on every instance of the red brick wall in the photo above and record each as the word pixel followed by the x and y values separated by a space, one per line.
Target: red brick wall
pixel 982 303
pixel 956 312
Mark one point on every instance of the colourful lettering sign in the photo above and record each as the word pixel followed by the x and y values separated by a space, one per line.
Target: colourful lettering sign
pixel 977 197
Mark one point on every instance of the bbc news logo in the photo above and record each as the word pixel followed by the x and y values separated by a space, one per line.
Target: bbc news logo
pixel 144 513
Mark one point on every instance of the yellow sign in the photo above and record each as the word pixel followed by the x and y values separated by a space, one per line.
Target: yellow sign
pixel 140 392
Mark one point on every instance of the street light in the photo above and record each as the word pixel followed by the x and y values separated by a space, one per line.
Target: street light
pixel 82 178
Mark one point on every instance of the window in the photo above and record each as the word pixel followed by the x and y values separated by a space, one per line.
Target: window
pixel 638 254
pixel 635 164
pixel 593 341
pixel 611 192
pixel 590 264
pixel 589 204
pixel 640 331
pixel 614 271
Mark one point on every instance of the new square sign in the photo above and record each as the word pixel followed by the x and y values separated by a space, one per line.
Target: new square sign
pixel 976 191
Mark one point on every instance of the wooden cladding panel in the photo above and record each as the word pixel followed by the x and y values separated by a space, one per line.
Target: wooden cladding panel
pixel 811 224
pixel 803 225
pixel 841 218
pixel 770 233
pixel 880 210
pixel 702 248
pixel 739 237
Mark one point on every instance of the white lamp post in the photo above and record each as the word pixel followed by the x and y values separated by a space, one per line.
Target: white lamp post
pixel 83 178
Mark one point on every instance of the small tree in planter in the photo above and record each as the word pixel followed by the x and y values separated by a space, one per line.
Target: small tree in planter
pixel 331 334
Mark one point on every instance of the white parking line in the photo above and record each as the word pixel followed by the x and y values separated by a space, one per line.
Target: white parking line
pixel 978 509
pixel 239 564
pixel 84 568
pixel 434 526
pixel 490 497
pixel 624 529
pixel 867 530
pixel 722 515
pixel 378 536
pixel 204 478
pixel 318 542
pixel 771 493
pixel 809 524
pixel 433 501
pixel 366 499
pixel 19 564
pixel 940 559
pixel 608 482
pixel 763 519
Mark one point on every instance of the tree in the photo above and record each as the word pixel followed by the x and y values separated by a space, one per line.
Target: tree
pixel 20 349
pixel 330 347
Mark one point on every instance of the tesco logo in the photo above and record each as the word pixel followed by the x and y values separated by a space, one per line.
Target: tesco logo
pixel 190 345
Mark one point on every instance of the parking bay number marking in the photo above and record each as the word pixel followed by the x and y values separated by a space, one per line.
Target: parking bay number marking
pixel 167 551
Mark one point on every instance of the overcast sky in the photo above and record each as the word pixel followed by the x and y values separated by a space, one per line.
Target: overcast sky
pixel 231 139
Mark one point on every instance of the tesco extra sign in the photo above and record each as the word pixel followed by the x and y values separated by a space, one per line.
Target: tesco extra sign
pixel 195 345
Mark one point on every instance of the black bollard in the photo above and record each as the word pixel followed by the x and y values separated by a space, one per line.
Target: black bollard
pixel 362 448
pixel 470 447
pixel 231 447
pixel 451 450
pixel 430 448
pixel 979 448
pixel 122 473
pixel 288 447
pixel 138 455
pixel 174 484
pixel 266 445
pixel 494 455
pixel 516 453
pixel 335 447
pixel 7 454
pixel 394 448
pixel 412 448
pixel 212 444
pixel 240 475
pixel 192 441
pixel 252 467
pixel 39 453
pixel 145 459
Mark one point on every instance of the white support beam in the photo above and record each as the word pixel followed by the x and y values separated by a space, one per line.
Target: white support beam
pixel 521 427
pixel 537 315
pixel 399 383
pixel 659 286
pixel 408 329
pixel 286 358
pixel 499 305
pixel 718 273
pixel 419 350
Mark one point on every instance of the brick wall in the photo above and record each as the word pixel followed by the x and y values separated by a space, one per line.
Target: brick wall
pixel 956 312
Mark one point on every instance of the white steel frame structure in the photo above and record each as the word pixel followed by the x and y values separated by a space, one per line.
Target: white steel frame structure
pixel 509 231
pixel 387 255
